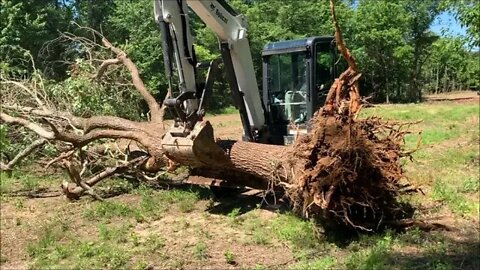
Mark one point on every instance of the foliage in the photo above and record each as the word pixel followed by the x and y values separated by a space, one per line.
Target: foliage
pixel 83 96
pixel 27 27
pixel 381 46
pixel 399 57
pixel 468 13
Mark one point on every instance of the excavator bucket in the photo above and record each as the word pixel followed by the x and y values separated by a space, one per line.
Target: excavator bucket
pixel 197 148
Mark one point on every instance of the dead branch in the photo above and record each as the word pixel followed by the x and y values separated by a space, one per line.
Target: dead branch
pixel 63 155
pixel 154 107
pixel 72 191
pixel 33 94
pixel 75 177
pixel 22 154
pixel 76 132
pixel 85 124
pixel 42 132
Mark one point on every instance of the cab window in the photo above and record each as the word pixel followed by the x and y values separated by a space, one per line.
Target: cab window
pixel 288 87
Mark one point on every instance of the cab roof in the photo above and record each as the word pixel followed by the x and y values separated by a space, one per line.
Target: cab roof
pixel 296 45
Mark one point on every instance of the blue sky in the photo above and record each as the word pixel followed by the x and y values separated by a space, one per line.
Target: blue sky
pixel 447 24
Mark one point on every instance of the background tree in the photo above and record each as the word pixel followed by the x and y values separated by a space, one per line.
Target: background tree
pixel 25 28
pixel 391 39
pixel 380 44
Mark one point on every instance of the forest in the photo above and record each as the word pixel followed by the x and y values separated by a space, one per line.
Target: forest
pixel 401 58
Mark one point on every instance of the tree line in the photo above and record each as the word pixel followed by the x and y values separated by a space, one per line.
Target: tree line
pixel 401 59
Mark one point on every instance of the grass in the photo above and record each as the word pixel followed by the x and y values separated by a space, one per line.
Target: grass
pixel 374 256
pixel 227 110
pixel 458 203
pixel 445 164
pixel 128 231
pixel 440 122
pixel 229 257
pixel 200 251
pixel 110 209
pixel 155 242
pixel 24 181
pixel 152 205
pixel 323 263
pixel 295 231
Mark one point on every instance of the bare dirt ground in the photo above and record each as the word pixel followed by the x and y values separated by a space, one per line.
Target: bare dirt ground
pixel 457 96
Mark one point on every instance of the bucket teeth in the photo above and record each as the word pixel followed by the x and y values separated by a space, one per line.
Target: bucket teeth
pixel 196 148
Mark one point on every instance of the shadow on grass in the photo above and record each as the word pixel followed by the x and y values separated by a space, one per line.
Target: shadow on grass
pixel 449 254
pixel 245 200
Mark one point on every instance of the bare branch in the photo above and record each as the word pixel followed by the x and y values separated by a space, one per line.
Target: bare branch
pixel 81 140
pixel 29 91
pixel 75 176
pixel 42 132
pixel 21 155
pixel 74 192
pixel 137 81
pixel 86 124
pixel 62 156
pixel 103 67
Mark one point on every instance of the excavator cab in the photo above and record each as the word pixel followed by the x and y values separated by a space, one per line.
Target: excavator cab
pixel 297 75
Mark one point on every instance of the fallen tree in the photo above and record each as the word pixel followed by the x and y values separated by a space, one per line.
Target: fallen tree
pixel 346 171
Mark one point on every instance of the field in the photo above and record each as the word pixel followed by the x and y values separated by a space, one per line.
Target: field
pixel 147 228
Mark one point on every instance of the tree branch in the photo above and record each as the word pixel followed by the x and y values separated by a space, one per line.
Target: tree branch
pixel 21 155
pixel 42 132
pixel 86 124
pixel 74 192
pixel 75 177
pixel 137 81
pixel 103 67
pixel 30 92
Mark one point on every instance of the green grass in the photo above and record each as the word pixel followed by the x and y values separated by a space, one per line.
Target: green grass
pixel 451 176
pixel 110 246
pixel 152 205
pixel 117 234
pixel 447 162
pixel 114 234
pixel 24 181
pixel 323 263
pixel 440 122
pixel 372 256
pixel 200 251
pixel 229 257
pixel 458 203
pixel 186 200
pixel 155 242
pixel 110 209
pixel 226 110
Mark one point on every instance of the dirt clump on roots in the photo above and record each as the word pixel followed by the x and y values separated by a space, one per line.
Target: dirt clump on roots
pixel 351 173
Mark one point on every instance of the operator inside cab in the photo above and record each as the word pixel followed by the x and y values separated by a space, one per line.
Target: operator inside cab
pixel 297 77
pixel 289 85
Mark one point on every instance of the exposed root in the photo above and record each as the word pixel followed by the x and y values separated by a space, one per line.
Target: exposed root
pixel 352 172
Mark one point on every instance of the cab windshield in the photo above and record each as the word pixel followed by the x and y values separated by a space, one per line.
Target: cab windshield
pixel 288 87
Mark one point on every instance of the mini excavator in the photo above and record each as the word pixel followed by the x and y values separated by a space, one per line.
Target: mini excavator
pixel 297 75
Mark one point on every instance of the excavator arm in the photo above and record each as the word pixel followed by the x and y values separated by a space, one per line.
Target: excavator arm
pixel 177 43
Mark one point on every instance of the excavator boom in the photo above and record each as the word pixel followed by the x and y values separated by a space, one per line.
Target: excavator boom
pixel 230 28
